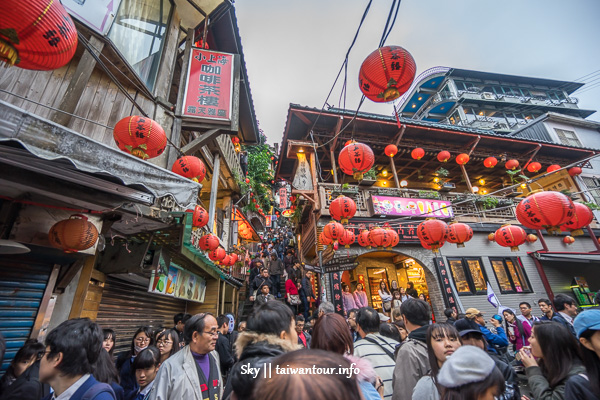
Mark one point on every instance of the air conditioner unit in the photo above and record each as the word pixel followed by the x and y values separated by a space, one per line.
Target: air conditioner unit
pixel 448 187
pixel 488 96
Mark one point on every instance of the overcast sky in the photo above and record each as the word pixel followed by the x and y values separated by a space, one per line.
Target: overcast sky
pixel 294 49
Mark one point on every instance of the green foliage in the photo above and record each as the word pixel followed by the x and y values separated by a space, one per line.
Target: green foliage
pixel 591 205
pixel 260 176
pixel 370 174
pixel 442 172
pixel 515 175
pixel 488 202
pixel 429 194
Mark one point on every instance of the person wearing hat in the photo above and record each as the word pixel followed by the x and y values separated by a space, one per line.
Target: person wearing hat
pixel 587 386
pixel 471 335
pixel 470 374
pixel 494 339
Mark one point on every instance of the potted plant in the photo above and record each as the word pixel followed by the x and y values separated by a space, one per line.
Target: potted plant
pixel 369 178
pixel 429 194
pixel 443 172
pixel 487 202
pixel 345 190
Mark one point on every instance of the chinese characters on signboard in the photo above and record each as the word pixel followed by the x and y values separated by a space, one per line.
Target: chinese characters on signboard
pixel 447 291
pixel 401 206
pixel 209 89
pixel 336 292
pixel 283 198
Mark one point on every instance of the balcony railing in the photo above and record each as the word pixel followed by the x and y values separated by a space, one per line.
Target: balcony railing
pixel 231 157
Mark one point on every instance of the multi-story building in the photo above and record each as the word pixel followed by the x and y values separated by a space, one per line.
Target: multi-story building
pixel 502 103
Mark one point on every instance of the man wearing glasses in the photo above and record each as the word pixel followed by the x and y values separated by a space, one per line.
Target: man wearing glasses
pixel 192 373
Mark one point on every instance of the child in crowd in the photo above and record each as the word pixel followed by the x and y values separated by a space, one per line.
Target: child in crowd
pixel 146 366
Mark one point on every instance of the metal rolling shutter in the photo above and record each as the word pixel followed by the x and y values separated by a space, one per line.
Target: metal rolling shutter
pixel 126 306
pixel 22 287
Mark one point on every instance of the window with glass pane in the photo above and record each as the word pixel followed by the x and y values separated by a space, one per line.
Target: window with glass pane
pixel 477 275
pixel 502 276
pixel 510 275
pixel 460 279
pixel 516 273
pixel 138 32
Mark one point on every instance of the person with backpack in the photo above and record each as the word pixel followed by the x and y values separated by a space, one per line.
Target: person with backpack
pixel 259 281
pixel 71 349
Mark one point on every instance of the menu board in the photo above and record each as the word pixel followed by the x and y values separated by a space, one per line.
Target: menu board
pixel 176 282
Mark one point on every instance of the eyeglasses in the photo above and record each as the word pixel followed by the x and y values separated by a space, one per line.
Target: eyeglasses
pixel 212 333
pixel 142 340
pixel 163 342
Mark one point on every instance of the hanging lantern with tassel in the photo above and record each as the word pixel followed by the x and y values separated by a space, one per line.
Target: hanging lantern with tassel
pixel 140 136
pixel 73 234
pixel 190 167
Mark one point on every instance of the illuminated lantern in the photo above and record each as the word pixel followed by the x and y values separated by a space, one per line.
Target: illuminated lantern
pixel 391 150
pixel 459 233
pixel 386 74
pixel 217 254
pixel 356 159
pixel 333 230
pixel 490 162
pixel 582 216
pixel 531 238
pixel 433 232
pixel 342 209
pixel 545 210
pixel 73 234
pixel 208 242
pixel 510 236
pixel 36 34
pixel 395 238
pixel 462 159
pixel 443 156
pixel 190 167
pixel 200 217
pixel 575 171
pixel 347 238
pixel 363 239
pixel 235 139
pixel 380 238
pixel 324 240
pixel 568 240
pixel 512 164
pixel 140 136
pixel 553 167
pixel 417 153
pixel 534 167
pixel 492 237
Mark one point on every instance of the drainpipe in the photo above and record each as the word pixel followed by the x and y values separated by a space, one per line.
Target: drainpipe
pixel 543 277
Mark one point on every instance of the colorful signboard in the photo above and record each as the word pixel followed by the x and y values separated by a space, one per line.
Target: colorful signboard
pixel 282 197
pixel 407 207
pixel 447 290
pixel 209 88
pixel 176 282
pixel 336 292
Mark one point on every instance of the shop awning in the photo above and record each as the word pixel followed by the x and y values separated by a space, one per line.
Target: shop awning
pixel 245 229
pixel 50 141
pixel 568 257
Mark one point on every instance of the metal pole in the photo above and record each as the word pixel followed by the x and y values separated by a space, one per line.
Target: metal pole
pixel 214 186
pixel 543 277
pixel 395 173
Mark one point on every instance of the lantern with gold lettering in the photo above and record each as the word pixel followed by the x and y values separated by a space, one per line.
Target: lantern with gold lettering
pixel 355 159
pixel 140 136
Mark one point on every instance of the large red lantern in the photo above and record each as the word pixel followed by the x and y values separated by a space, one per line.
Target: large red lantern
pixel 417 153
pixel 512 164
pixel 534 167
pixel 234 258
pixel 140 136
pixel 217 254
pixel 73 234
pixel 568 240
pixel 510 236
pixel 333 230
pixel 433 232
pixel 363 239
pixel 391 150
pixel 342 209
pixel 459 233
pixel 490 162
pixel 582 216
pixel 380 238
pixel 553 167
pixel 462 159
pixel 531 238
pixel 190 167
pixel 395 238
pixel 200 217
pixel 427 246
pixel 356 159
pixel 443 156
pixel 208 242
pixel 36 34
pixel 226 260
pixel 386 74
pixel 575 171
pixel 347 238
pixel 545 210
pixel 324 240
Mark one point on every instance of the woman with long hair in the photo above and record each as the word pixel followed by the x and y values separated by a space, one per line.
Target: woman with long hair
pixel 331 333
pixel 396 303
pixel 109 341
pixel 386 298
pixel 347 299
pixel 558 360
pixel 167 343
pixel 518 333
pixel 141 339
pixel 587 386
pixel 442 341
pixel 104 370
pixel 21 380
pixel 360 296
pixel 292 296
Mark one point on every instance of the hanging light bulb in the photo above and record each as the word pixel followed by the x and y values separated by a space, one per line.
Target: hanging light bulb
pixel 475 189
pixel 523 186
pixel 482 181
pixel 403 183
pixel 384 173
pixel 436 179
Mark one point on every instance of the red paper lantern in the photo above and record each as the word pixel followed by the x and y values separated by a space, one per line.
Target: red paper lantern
pixel 430 247
pixel 443 156
pixel 417 153
pixel 568 240
pixel 386 73
pixel 73 234
pixel 226 260
pixel 575 171
pixel 235 139
pixel 582 217
pixel 510 236
pixel 462 159
pixel 553 167
pixel 140 136
pixel 347 238
pixel 190 167
pixel 459 233
pixel 36 34
pixel 208 242
pixel 363 239
pixel 324 240
pixel 531 238
pixel 545 210
pixel 433 232
pixel 395 238
pixel 247 180
pixel 234 258
pixel 512 164
pixel 492 237
pixel 391 150
pixel 200 217
pixel 217 254
pixel 380 238
pixel 356 159
pixel 333 230
pixel 349 142
pixel 490 162
pixel 534 167
pixel 342 209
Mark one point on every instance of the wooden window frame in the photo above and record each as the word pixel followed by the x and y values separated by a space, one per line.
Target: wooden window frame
pixel 469 277
pixel 517 263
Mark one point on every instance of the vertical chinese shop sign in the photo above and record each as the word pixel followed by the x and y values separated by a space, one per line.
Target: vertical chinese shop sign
pixel 336 292
pixel 447 290
pixel 209 89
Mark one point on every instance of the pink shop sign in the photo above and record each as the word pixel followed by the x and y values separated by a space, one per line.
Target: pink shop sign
pixel 400 206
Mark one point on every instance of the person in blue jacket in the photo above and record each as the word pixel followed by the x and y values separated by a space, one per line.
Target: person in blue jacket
pixel 498 339
pixel 71 349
